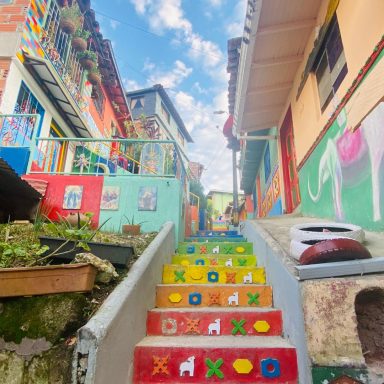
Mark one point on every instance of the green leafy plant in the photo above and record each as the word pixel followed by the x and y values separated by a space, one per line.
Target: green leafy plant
pixel 82 33
pixel 87 55
pixel 73 13
pixel 132 221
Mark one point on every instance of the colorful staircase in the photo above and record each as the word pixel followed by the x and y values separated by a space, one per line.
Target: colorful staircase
pixel 214 320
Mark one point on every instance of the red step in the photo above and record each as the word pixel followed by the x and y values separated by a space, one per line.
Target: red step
pixel 199 321
pixel 215 359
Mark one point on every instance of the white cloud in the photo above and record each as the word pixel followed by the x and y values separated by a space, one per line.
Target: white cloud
pixel 131 85
pixel 235 26
pixel 114 24
pixel 215 3
pixel 168 79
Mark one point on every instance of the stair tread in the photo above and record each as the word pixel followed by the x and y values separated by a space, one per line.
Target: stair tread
pixel 216 342
pixel 216 309
pixel 215 285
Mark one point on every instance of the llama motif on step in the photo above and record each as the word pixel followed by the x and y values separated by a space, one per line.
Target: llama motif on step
pixel 214 327
pixel 228 263
pixel 216 249
pixel 234 299
pixel 188 366
pixel 248 278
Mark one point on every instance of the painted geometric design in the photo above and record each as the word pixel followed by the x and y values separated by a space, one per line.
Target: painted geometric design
pixel 237 260
pixel 242 262
pixel 253 298
pixel 185 262
pixel 270 368
pixel 160 365
pixel 175 297
pixel 261 326
pixel 195 298
pixel 240 249
pixel 191 249
pixel 214 368
pixel 203 250
pixel 169 326
pixel 228 250
pixel 238 327
pixel 193 326
pixel 231 277
pixel 213 262
pixel 244 247
pixel 242 366
pixel 213 277
pixel 214 298
pixel 200 262
pixel 179 275
pixel 196 274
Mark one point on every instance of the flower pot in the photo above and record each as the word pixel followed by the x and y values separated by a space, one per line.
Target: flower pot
pixel 118 254
pixel 79 44
pixel 67 25
pixel 131 229
pixel 87 64
pixel 29 281
pixel 94 78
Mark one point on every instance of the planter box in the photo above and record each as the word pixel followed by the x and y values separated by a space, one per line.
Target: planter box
pixel 29 281
pixel 119 255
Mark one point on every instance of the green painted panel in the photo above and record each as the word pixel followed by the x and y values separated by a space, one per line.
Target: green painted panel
pixel 322 375
pixel 168 207
pixel 242 248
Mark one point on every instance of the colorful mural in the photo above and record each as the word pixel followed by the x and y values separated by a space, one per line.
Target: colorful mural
pixel 344 178
pixel 270 202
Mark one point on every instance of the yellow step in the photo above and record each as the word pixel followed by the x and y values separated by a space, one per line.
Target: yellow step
pixel 206 274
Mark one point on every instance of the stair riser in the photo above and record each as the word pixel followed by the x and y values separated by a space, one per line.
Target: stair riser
pixel 240 248
pixel 235 260
pixel 213 295
pixel 216 233
pixel 175 274
pixel 173 323
pixel 283 370
pixel 216 239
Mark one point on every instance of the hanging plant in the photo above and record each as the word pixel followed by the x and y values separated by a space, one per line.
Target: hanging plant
pixel 79 40
pixel 94 76
pixel 70 19
pixel 87 59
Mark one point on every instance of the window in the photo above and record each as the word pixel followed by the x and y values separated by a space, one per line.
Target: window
pixel 330 66
pixel 165 113
pixel 98 99
pixel 137 103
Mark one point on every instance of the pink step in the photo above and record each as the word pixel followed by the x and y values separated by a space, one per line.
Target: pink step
pixel 215 359
pixel 199 321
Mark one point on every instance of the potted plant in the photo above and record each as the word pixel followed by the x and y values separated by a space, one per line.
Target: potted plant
pixel 79 39
pixel 70 19
pixel 131 228
pixel 87 59
pixel 93 76
pixel 66 240
pixel 23 273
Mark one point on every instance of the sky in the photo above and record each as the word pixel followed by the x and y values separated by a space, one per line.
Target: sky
pixel 181 44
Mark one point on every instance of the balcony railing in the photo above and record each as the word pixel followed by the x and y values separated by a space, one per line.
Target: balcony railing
pixel 125 157
pixel 57 47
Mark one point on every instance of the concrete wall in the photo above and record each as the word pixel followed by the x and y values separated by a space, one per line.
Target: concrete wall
pixel 286 291
pixel 107 341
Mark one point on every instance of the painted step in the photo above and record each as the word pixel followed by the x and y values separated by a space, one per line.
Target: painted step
pixel 216 259
pixel 216 359
pixel 215 274
pixel 227 248
pixel 199 239
pixel 217 233
pixel 204 321
pixel 203 295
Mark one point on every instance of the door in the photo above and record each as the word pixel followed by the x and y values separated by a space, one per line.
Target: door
pixel 291 177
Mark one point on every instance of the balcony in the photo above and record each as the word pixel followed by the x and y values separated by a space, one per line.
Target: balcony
pixel 106 157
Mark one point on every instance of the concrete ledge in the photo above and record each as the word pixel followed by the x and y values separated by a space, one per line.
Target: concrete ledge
pixel 105 345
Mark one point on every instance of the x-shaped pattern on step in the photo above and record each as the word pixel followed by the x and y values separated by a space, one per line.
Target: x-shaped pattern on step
pixel 213 262
pixel 238 327
pixel 253 298
pixel 231 277
pixel 203 249
pixel 179 275
pixel 193 326
pixel 214 298
pixel 228 250
pixel 160 365
pixel 214 368
pixel 242 262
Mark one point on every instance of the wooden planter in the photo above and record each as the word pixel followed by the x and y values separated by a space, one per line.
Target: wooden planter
pixel 94 78
pixel 87 64
pixel 131 229
pixel 67 25
pixel 118 254
pixel 30 281
pixel 79 44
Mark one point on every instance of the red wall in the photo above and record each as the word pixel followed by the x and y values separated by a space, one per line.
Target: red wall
pixel 92 187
